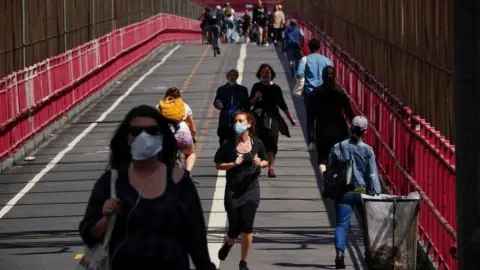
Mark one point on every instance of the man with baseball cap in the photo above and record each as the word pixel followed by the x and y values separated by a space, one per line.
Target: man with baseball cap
pixel 365 180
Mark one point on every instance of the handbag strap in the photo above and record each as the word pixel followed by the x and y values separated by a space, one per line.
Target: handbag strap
pixel 304 61
pixel 113 194
pixel 342 151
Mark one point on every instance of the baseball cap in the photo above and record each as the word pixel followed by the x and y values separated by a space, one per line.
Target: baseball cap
pixel 359 123
pixel 293 22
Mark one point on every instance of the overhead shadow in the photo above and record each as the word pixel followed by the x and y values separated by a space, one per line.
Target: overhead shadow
pixel 299 265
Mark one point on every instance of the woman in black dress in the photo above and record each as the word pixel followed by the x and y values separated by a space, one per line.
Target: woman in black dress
pixel 266 97
pixel 158 216
pixel 242 157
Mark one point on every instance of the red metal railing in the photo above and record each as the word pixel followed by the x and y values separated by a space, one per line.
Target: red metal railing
pixel 411 154
pixel 33 98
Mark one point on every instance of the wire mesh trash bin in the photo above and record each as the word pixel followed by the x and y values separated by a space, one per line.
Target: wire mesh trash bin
pixel 391 224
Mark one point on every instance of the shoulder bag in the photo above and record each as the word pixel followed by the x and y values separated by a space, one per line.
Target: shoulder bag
pixel 338 179
pixel 97 258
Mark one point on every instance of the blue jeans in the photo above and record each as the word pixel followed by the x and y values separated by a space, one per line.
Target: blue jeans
pixel 216 35
pixel 344 209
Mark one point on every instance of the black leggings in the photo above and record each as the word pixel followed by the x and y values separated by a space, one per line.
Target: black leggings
pixel 240 220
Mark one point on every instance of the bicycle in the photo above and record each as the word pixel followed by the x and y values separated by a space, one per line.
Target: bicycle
pixel 214 40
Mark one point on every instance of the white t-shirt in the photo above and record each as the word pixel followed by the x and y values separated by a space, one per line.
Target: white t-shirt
pixel 183 127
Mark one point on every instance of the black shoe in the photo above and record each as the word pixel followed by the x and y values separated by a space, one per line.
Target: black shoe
pixel 243 265
pixel 340 261
pixel 218 51
pixel 224 250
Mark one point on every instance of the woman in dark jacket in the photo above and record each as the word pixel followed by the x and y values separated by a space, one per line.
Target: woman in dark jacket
pixel 329 106
pixel 266 98
pixel 158 216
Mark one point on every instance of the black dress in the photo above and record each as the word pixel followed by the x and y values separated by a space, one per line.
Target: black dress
pixel 267 114
pixel 162 232
pixel 328 107
pixel 242 191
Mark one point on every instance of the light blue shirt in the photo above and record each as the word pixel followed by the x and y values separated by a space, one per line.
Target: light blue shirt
pixel 365 172
pixel 313 70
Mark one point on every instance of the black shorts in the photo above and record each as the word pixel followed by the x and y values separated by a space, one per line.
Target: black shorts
pixel 241 219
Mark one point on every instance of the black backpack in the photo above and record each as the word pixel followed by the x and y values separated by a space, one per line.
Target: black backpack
pixel 338 180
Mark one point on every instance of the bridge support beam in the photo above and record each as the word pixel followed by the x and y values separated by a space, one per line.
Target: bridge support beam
pixel 466 76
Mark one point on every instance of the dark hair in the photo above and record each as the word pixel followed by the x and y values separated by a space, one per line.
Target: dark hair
pixel 120 149
pixel 173 92
pixel 234 71
pixel 314 45
pixel 250 119
pixel 328 77
pixel 265 65
pixel 356 133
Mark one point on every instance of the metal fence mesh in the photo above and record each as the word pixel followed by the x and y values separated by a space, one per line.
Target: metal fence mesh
pixel 31 31
pixel 406 44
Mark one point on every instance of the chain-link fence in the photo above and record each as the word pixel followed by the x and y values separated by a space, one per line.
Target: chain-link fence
pixel 406 44
pixel 31 31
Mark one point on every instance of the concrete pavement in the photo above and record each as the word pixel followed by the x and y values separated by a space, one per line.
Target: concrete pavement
pixel 293 224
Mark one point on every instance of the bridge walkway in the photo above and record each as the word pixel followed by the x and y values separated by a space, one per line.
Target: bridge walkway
pixel 44 199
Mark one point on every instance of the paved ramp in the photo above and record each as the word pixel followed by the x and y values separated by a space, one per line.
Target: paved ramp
pixel 47 196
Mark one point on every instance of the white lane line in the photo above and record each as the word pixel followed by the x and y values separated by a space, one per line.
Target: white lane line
pixel 218 217
pixel 72 144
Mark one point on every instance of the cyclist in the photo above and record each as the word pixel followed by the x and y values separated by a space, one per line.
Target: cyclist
pixel 214 24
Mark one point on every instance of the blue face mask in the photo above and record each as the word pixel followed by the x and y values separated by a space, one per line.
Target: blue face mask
pixel 240 128
pixel 146 146
pixel 263 80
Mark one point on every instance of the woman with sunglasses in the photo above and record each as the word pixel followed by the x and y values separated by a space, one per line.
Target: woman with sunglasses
pixel 159 219
pixel 266 97
pixel 242 157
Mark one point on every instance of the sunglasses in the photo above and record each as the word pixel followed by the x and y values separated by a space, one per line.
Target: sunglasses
pixel 152 130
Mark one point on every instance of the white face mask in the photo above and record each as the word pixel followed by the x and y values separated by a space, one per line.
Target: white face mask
pixel 146 146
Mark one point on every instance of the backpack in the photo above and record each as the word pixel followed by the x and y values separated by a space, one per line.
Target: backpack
pixel 228 11
pixel 172 109
pixel 211 17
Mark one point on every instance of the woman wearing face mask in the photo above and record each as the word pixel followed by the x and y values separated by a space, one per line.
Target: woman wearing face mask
pixel 242 157
pixel 159 219
pixel 266 97
pixel 328 106
pixel 230 98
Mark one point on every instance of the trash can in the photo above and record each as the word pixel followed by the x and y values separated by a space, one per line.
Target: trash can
pixel 391 224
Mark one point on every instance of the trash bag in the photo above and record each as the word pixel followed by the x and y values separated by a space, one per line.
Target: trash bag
pixel 391 224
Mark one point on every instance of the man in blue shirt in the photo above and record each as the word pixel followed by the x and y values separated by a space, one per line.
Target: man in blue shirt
pixel 293 44
pixel 312 71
